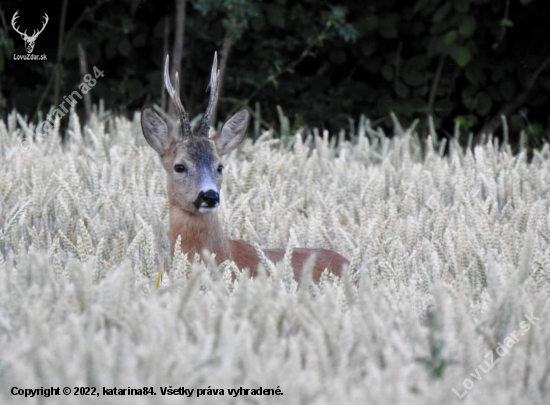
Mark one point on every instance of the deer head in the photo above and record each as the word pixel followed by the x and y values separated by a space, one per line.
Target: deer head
pixel 29 40
pixel 193 163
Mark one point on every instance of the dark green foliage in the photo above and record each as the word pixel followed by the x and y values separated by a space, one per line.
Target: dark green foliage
pixel 434 361
pixel 464 61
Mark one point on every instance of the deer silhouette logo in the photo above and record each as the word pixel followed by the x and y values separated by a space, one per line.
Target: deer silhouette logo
pixel 29 40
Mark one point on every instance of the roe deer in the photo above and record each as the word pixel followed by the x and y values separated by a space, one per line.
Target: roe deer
pixel 195 175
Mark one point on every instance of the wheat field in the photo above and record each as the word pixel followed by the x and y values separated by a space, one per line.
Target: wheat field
pixel 450 252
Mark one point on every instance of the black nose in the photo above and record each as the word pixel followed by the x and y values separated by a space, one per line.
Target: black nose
pixel 211 198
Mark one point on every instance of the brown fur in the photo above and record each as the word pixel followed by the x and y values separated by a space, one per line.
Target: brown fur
pixel 204 232
pixel 200 157
pixel 193 167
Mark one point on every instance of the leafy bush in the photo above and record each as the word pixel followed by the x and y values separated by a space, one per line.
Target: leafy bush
pixel 465 62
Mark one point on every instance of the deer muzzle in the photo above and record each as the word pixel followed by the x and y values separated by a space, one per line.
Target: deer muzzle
pixel 207 201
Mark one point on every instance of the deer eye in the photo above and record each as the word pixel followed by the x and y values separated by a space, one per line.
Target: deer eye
pixel 220 169
pixel 180 168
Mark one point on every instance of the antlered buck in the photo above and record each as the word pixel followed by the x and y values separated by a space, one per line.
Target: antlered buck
pixel 195 173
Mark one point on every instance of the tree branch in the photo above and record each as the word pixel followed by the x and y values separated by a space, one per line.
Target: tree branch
pixel 83 61
pixel 228 43
pixel 3 18
pixel 177 50
pixel 165 42
pixel 495 123
pixel 288 68
pixel 435 84
pixel 503 26
pixel 60 41
pixel 50 81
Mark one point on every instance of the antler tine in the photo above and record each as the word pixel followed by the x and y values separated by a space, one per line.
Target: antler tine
pixel 175 96
pixel 177 80
pixel 44 24
pixel 16 29
pixel 214 83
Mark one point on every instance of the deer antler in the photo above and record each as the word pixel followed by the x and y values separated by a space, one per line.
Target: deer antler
pixel 175 95
pixel 36 34
pixel 214 82
pixel 15 17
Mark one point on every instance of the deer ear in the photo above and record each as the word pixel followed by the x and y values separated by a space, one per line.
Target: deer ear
pixel 155 131
pixel 233 132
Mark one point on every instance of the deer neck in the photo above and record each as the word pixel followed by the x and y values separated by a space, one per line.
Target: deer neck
pixel 198 232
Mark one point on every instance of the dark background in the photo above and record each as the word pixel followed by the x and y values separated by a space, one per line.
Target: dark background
pixel 323 62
